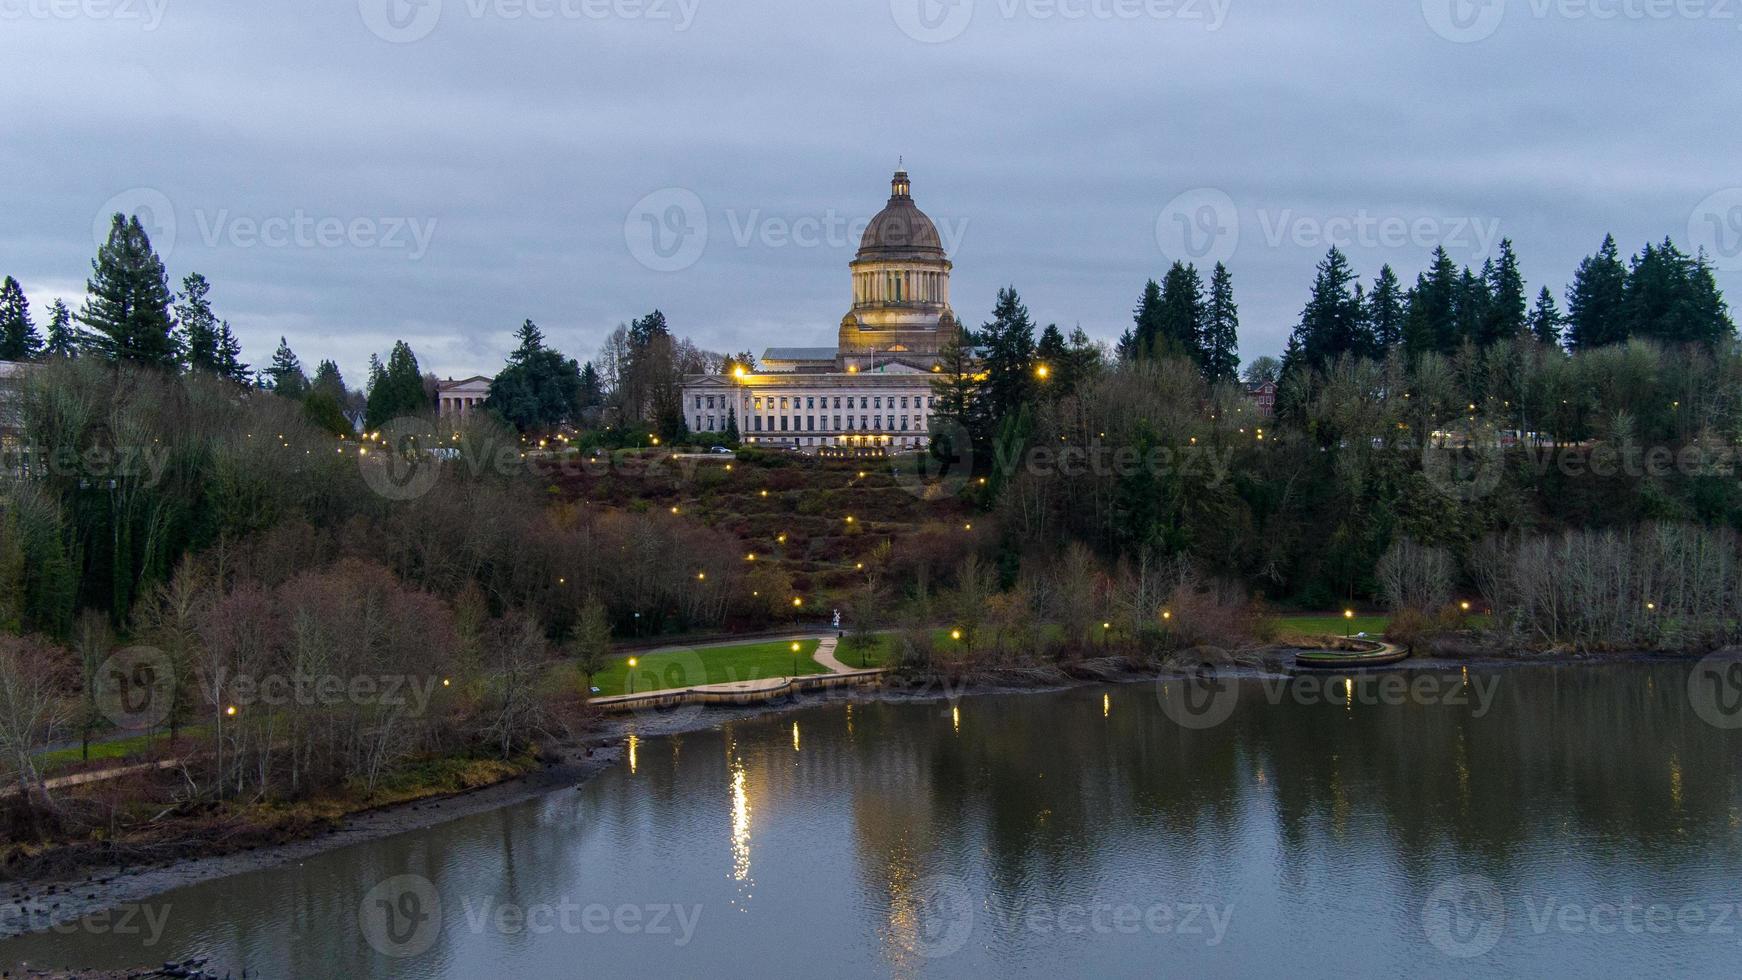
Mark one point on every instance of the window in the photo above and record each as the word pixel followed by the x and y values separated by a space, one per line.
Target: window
pixel 698 423
pixel 810 403
pixel 864 421
pixel 758 423
pixel 837 418
pixel 837 401
pixel 879 421
pixel 783 423
pixel 810 423
pixel 903 401
pixel 849 423
pixel 878 401
pixel 904 423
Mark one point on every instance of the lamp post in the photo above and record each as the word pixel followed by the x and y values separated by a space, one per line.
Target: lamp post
pixel 630 675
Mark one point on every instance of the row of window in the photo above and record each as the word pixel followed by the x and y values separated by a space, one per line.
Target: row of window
pixel 810 423
pixel 810 401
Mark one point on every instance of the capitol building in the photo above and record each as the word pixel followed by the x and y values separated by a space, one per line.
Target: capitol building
pixel 872 391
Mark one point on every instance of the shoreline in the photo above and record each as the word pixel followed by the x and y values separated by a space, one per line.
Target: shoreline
pixel 40 904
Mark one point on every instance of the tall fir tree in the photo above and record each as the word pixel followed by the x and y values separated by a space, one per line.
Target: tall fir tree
pixel 1473 305
pixel 1506 316
pixel 230 355
pixel 1182 314
pixel 128 301
pixel 1051 353
pixel 1007 345
pixel 1546 319
pixel 19 340
pixel 539 388
pixel 64 337
pixel 285 374
pixel 1430 322
pixel 1333 322
pixel 955 397
pixel 1145 334
pixel 1385 310
pixel 1670 298
pixel 1595 299
pixel 1221 343
pixel 592 388
pixel 198 325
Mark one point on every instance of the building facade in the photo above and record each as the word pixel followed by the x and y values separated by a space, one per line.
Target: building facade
pixel 457 399
pixel 873 390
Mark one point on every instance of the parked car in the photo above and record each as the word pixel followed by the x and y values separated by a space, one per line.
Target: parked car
pixel 721 451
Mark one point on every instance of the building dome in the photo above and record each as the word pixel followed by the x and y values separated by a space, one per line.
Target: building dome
pixel 901 229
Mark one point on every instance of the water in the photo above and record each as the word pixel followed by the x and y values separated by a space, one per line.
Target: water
pixel 1582 822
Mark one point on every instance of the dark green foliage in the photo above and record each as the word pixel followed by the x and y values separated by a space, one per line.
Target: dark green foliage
pixel 19 340
pixel 396 390
pixel 1385 310
pixel 64 337
pixel 540 389
pixel 1546 320
pixel 128 306
pixel 285 373
pixel 1221 339
pixel 1007 359
pixel 1594 300
pixel 200 333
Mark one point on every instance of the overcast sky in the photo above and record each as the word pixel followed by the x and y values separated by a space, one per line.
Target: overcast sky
pixel 348 172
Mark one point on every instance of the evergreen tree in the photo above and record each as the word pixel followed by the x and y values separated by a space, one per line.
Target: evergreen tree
pixel 1430 321
pixel 539 389
pixel 396 390
pixel 199 327
pixel 1333 323
pixel 64 337
pixel 1595 298
pixel 1140 342
pixel 324 406
pixel 1007 343
pixel 128 305
pixel 230 356
pixel 732 436
pixel 19 340
pixel 285 375
pixel 1052 354
pixel 1385 310
pixel 1182 315
pixel 1125 348
pixel 1505 286
pixel 956 396
pixel 1545 319
pixel 1473 305
pixel 1221 357
pixel 329 381
pixel 592 389
pixel 1670 298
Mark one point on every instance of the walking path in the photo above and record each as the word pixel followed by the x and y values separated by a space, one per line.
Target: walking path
pixel 749 692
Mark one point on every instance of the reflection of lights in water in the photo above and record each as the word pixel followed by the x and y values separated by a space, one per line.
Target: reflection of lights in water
pixel 740 824
pixel 1675 782
pixel 634 743
pixel 956 717
pixel 795 736
pixel 849 720
pixel 1106 705
pixel 1349 693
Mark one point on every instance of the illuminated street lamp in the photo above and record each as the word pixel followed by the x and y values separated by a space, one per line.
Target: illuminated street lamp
pixel 630 676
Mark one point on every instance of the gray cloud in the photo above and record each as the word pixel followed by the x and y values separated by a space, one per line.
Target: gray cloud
pixel 1053 143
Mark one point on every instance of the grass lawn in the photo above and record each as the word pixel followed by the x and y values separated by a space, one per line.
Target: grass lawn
pixel 111 747
pixel 658 671
pixel 1333 624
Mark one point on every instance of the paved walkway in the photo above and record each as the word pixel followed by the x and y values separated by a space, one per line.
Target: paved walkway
pixel 825 655
pixel 748 692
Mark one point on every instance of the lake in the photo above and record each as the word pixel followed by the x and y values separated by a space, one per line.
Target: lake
pixel 1524 821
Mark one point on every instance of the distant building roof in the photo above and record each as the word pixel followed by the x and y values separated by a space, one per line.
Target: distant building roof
pixel 799 354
